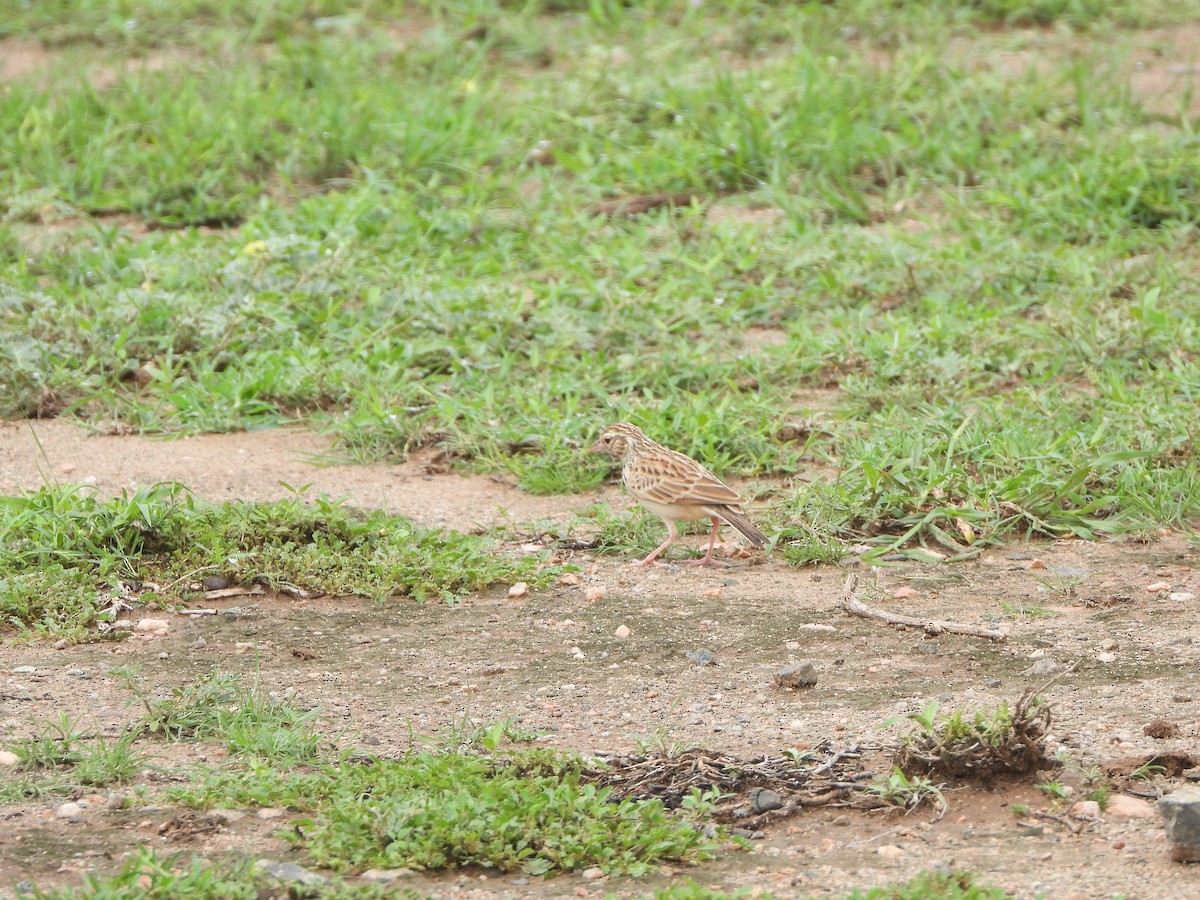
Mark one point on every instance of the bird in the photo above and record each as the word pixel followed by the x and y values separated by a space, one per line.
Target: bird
pixel 675 488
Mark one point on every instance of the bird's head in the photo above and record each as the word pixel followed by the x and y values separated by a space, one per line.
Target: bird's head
pixel 619 440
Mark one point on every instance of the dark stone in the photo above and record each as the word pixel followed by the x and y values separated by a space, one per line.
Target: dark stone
pixel 801 675
pixel 1181 819
pixel 763 800
pixel 215 583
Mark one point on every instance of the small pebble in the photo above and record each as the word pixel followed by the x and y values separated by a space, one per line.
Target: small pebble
pixel 24 670
pixel 152 626
pixel 702 657
pixel 69 811
pixel 1037 564
pixel 198 644
pixel 1109 644
pixel 269 813
pixel 801 675
pixel 1086 809
pixel 904 593
pixel 592 874
pixel 890 851
pixel 622 631
pixel 1181 596
pixel 1158 587
pixel 8 759
pixel 595 592
pixel 289 873
pixel 763 800
pixel 1106 657
pixel 569 579
pixel 520 589
pixel 215 583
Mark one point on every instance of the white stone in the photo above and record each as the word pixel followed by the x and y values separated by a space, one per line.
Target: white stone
pixel 8 759
pixel 1106 657
pixel 386 874
pixel 152 626
pixel 1181 596
pixel 890 851
pixel 622 632
pixel 595 592
pixel 520 589
pixel 1086 809
pixel 69 811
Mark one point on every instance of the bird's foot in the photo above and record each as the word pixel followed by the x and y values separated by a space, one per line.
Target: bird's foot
pixel 705 561
pixel 648 562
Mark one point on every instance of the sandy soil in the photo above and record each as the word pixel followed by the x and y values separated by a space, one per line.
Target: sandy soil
pixel 553 662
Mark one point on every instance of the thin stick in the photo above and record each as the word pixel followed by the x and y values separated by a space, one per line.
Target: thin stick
pixel 856 607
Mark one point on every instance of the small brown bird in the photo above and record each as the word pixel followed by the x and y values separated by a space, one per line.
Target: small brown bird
pixel 675 488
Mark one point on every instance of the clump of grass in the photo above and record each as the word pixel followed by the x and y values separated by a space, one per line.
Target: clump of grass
pixel 528 812
pixel 223 707
pixel 68 550
pixel 59 758
pixel 935 886
pixel 959 745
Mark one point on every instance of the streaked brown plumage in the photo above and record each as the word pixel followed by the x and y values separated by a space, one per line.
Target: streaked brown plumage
pixel 674 487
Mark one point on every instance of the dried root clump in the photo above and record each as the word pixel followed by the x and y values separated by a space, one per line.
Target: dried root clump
pixel 1009 741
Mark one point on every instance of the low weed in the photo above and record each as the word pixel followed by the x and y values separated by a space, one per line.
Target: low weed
pixel 959 744
pixel 149 874
pixel 528 812
pixel 908 792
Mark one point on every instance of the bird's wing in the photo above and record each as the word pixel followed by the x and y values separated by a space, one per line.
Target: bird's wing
pixel 670 477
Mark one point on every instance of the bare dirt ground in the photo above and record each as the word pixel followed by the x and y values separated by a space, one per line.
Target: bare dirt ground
pixel 553 662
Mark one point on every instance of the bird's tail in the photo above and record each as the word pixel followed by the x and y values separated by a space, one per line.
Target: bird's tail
pixel 744 525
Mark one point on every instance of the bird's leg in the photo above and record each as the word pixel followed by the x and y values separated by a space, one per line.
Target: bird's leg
pixel 672 537
pixel 707 559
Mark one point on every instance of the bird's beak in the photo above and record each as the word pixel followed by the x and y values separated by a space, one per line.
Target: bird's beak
pixel 597 447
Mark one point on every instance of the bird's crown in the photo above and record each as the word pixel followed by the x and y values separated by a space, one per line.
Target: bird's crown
pixel 620 439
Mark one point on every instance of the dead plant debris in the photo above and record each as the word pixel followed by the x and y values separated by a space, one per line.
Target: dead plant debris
pixel 821 777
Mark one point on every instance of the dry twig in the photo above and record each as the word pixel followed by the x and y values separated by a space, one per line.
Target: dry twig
pixel 856 607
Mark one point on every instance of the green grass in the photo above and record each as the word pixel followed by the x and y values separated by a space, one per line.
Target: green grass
pixel 528 812
pixel 69 554
pixel 223 707
pixel 150 875
pixel 994 265
pixel 58 758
